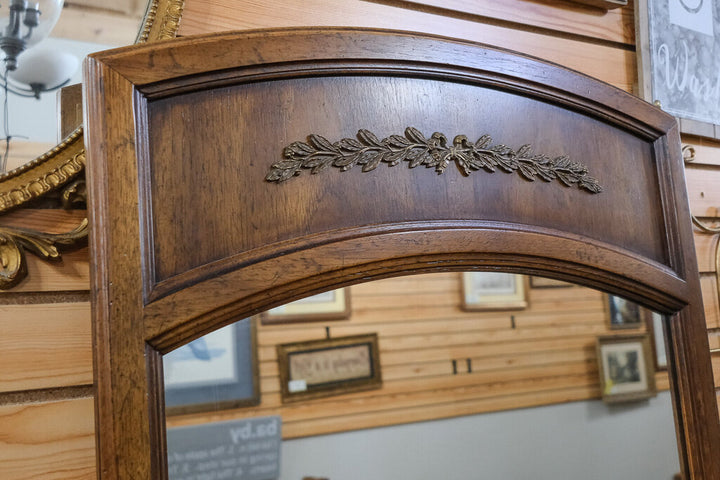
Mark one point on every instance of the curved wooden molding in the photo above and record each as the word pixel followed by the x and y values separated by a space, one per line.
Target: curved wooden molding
pixel 61 166
pixel 368 151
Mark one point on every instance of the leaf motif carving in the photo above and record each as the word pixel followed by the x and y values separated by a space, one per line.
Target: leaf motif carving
pixel 369 151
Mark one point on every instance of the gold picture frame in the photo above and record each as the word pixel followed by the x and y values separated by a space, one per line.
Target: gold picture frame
pixel 494 291
pixel 328 367
pixel 626 368
pixel 330 305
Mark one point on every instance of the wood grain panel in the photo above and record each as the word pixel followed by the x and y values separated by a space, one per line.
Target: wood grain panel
pixel 613 65
pixel 703 191
pixel 708 283
pixel 44 346
pixel 707 151
pixel 558 16
pixel 48 441
pixel 705 248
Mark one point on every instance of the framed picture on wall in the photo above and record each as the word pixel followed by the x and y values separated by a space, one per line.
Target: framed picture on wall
pixel 626 368
pixel 333 366
pixel 332 305
pixel 494 291
pixel 624 313
pixel 215 372
pixel 677 44
pixel 657 335
pixel 544 282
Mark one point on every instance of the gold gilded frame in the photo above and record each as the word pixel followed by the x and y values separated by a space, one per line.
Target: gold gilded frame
pixel 62 168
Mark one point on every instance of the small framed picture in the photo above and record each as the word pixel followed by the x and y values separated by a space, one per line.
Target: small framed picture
pixel 217 371
pixel 656 331
pixel 332 305
pixel 624 313
pixel 333 366
pixel 544 282
pixel 494 291
pixel 626 368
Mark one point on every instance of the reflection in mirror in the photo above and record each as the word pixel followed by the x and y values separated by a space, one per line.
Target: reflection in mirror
pixel 429 377
pixel 83 27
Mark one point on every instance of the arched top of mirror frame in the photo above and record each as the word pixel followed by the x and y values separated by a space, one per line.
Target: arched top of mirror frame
pixel 65 162
pixel 196 225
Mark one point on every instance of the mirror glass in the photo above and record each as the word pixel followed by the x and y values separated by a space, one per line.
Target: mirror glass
pixel 444 375
pixel 34 123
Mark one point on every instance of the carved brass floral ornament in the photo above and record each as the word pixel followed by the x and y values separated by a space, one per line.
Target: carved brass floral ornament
pixel 368 152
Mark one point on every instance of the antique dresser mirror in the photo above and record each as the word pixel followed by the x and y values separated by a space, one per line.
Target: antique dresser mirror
pixel 232 173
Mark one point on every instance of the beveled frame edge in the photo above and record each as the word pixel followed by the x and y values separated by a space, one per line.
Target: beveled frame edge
pixel 343 386
pixel 644 339
pixel 694 400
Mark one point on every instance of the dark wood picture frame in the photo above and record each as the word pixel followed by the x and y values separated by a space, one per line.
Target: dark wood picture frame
pixel 626 368
pixel 166 272
pixel 238 388
pixel 311 309
pixel 328 367
pixel 623 314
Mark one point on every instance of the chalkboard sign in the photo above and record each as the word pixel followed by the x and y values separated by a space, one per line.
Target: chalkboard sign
pixel 246 449
pixel 679 50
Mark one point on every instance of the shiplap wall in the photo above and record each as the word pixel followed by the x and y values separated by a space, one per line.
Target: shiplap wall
pixel 46 405
pixel 541 355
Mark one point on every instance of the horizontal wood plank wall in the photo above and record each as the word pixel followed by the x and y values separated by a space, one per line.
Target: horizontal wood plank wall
pixel 509 359
pixel 583 38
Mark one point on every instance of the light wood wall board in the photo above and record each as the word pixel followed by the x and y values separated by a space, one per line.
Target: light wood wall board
pixel 558 16
pixel 707 152
pixel 48 441
pixel 705 248
pixel 708 282
pixel 612 65
pixel 703 191
pixel 45 346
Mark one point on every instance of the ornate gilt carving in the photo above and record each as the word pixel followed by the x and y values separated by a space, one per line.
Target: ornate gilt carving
pixel 162 20
pixel 62 168
pixel 15 241
pixel 61 165
pixel 368 151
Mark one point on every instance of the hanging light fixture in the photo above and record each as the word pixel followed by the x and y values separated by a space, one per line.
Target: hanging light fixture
pixel 25 24
pixel 41 70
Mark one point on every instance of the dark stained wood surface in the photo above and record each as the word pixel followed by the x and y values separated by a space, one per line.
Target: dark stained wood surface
pixel 188 235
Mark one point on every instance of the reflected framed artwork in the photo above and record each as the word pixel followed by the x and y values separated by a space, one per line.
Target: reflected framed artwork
pixel 623 313
pixel 656 331
pixel 626 368
pixel 331 305
pixel 544 282
pixel 333 366
pixel 215 372
pixel 494 291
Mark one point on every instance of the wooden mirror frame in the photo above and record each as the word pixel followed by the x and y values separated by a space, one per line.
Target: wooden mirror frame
pixel 148 300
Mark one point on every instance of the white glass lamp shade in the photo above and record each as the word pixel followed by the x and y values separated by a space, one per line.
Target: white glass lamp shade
pixel 49 13
pixel 45 67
